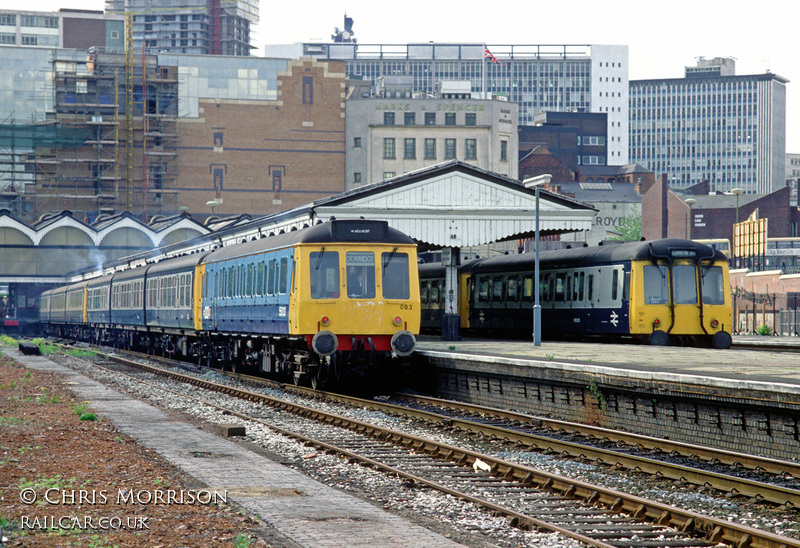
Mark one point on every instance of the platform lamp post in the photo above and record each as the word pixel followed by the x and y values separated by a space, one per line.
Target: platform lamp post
pixel 212 204
pixel 690 202
pixel 536 183
pixel 738 192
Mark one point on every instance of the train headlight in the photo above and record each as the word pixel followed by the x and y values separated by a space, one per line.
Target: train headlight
pixel 397 320
pixel 656 323
pixel 325 320
pixel 714 324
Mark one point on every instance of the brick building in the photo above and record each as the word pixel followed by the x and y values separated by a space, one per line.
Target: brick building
pixel 266 156
pixel 250 135
pixel 666 214
pixel 768 298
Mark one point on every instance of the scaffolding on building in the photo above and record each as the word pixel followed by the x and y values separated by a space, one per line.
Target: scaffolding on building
pixel 72 159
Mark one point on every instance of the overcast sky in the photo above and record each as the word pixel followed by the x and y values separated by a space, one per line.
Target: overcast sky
pixel 662 38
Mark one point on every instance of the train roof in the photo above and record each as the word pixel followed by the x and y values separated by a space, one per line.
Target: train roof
pixel 345 230
pixel 605 254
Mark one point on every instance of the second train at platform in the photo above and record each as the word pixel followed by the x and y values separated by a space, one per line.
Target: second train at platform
pixel 662 292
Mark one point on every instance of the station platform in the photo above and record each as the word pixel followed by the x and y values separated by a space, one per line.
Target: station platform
pixel 766 361
pixel 301 511
pixel 742 399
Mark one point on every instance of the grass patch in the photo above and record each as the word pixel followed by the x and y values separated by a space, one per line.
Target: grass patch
pixel 81 353
pixel 80 408
pixel 55 482
pixel 242 541
pixel 45 398
pixel 88 417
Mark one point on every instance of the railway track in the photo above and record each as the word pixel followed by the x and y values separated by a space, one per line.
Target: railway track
pixel 529 498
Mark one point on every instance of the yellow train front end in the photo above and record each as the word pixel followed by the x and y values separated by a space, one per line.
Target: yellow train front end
pixel 680 298
pixel 356 298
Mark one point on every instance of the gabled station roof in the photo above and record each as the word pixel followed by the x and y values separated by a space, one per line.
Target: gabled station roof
pixel 452 204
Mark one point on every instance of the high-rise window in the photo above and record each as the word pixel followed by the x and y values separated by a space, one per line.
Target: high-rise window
pixel 410 118
pixel 449 149
pixel 503 151
pixel 471 149
pixel 430 118
pixel 388 148
pixel 470 119
pixel 388 118
pixel 410 148
pixel 430 149
pixel 450 118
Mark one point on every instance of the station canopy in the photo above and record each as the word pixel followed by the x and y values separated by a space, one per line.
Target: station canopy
pixel 452 204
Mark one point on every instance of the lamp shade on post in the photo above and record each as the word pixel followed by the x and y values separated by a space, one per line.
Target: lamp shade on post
pixel 536 183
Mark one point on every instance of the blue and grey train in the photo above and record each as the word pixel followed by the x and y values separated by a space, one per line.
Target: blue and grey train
pixel 323 303
pixel 662 292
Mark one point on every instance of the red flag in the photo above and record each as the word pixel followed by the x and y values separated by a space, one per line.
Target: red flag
pixel 488 55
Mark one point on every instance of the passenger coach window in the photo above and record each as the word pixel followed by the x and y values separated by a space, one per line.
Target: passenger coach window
pixel 483 290
pixel 284 275
pixel 656 287
pixel 396 283
pixel 497 289
pixel 323 272
pixel 713 285
pixel 561 287
pixel 271 280
pixel 360 274
pixel 527 288
pixel 513 284
pixel 685 284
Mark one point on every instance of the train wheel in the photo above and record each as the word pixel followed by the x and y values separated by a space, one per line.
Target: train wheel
pixel 658 338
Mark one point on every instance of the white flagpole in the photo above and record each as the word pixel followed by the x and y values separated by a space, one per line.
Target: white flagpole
pixel 483 73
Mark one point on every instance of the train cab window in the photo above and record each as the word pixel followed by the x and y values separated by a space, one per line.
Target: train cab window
pixel 483 290
pixel 498 289
pixel 394 273
pixel 284 279
pixel 656 284
pixel 324 274
pixel 713 285
pixel 360 274
pixel 685 281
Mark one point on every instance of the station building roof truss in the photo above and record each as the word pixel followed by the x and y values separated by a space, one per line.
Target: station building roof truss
pixel 452 204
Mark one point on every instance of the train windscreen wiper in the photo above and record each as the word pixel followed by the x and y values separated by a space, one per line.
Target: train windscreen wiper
pixel 319 259
pixel 388 260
